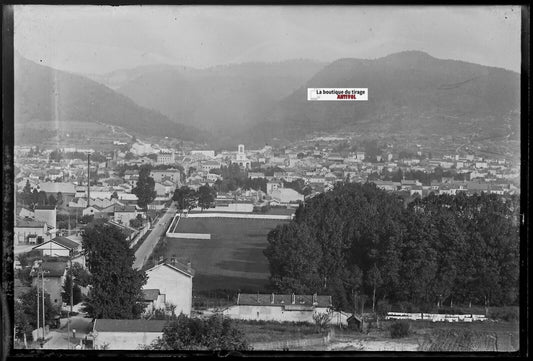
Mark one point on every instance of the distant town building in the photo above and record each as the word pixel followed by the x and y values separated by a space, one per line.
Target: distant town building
pixel 166 158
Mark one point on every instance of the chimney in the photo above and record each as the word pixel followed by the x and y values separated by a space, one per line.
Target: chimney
pixel 272 298
pixel 293 299
pixel 315 299
pixel 189 268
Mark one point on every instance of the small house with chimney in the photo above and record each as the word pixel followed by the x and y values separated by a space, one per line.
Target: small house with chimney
pixel 174 281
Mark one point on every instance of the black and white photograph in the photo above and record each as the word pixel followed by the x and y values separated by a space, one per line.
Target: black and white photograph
pixel 256 178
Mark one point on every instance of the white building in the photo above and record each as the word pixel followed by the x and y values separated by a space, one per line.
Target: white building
pixel 175 282
pixel 126 334
pixel 272 307
pixel 166 158
pixel 241 158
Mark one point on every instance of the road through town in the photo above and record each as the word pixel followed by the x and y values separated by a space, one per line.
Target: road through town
pixel 146 248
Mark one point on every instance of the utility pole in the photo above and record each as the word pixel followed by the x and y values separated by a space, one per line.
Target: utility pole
pixel 38 312
pixel 44 322
pixel 71 287
pixel 88 179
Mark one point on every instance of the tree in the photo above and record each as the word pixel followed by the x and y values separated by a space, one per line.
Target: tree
pixel 136 222
pixel 76 291
pixel 59 199
pixel 116 287
pixel 374 280
pixel 114 195
pixel 52 200
pixel 145 188
pixel 206 196
pixel 214 333
pixel 26 311
pixel 41 198
pixel 27 193
pixel 185 198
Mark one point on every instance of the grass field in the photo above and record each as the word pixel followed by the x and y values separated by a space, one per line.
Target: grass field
pixel 233 257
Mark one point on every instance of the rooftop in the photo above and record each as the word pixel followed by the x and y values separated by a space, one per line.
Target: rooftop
pixel 280 300
pixel 28 223
pixel 108 325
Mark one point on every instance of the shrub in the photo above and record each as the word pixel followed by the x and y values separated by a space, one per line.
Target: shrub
pixel 505 314
pixel 399 329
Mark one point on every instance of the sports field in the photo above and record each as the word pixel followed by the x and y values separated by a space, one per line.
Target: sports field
pixel 233 257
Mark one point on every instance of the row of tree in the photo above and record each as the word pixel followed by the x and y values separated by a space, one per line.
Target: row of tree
pixel 187 198
pixel 31 198
pixel 358 239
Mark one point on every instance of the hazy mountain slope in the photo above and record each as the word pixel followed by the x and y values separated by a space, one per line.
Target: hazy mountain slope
pixel 220 98
pixel 408 92
pixel 46 94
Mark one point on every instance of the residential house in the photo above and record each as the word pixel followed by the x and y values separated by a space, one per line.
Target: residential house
pixel 124 214
pixel 77 203
pixel 273 185
pixel 172 175
pixel 91 210
pixel 59 247
pixel 174 280
pixel 255 175
pixel 54 278
pixel 282 307
pixel 29 231
pixel 153 300
pixel 126 334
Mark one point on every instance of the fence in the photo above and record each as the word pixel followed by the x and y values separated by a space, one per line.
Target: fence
pixel 240 215
pixel 434 317
pixel 292 344
pixel 139 235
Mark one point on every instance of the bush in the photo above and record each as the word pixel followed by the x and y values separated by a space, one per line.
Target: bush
pixel 399 329
pixel 505 314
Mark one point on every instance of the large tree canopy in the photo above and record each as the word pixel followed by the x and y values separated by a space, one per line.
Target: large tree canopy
pixel 116 287
pixel 214 333
pixel 145 188
pixel 358 239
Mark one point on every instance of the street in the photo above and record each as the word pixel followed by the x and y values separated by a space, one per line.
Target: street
pixel 58 338
pixel 146 248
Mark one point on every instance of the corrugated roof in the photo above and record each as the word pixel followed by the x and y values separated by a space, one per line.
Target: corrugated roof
pixel 64 241
pixel 54 269
pixel 150 294
pixel 109 325
pixel 124 208
pixel 280 300
pixel 42 207
pixel 28 223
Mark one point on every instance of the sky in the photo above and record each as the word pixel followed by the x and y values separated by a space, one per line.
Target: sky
pixel 101 39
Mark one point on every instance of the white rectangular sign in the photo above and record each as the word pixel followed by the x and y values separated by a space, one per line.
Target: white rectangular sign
pixel 344 94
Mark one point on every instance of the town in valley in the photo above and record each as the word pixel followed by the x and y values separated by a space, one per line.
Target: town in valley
pixel 143 223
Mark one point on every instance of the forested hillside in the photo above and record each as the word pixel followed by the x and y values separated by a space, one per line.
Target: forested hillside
pixel 358 239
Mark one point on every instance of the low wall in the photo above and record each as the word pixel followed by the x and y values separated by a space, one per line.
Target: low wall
pixel 189 235
pixel 434 317
pixel 240 215
pixel 139 235
pixel 291 344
